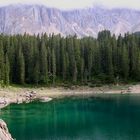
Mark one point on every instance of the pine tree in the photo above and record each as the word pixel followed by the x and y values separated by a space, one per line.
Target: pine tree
pixel 6 70
pixel 82 70
pixel 63 59
pixel 90 60
pixel 29 59
pixel 114 55
pixel 76 46
pixel 36 66
pixel 20 67
pixel 53 66
pixel 1 63
pixel 97 60
pixel 124 62
pixel 109 64
pixel 49 63
pixel 43 63
pixel 134 56
pixel 75 72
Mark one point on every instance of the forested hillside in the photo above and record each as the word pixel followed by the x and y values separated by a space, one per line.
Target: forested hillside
pixel 42 59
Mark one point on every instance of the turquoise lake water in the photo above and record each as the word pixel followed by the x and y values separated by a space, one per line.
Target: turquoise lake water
pixel 110 117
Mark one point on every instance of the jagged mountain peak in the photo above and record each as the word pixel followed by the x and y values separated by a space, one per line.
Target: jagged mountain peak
pixel 34 19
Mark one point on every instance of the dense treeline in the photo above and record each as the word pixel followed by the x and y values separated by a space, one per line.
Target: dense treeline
pixel 54 59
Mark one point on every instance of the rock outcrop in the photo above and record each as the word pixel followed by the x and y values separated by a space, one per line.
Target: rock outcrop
pixel 4 132
pixel 34 19
pixel 26 97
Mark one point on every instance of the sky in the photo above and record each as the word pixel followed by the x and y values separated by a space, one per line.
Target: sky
pixel 72 4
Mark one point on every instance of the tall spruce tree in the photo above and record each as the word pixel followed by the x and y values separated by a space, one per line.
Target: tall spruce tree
pixel 6 70
pixel 1 63
pixel 53 66
pixel 43 63
pixel 124 62
pixel 20 67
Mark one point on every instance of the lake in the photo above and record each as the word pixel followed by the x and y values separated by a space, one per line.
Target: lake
pixel 108 117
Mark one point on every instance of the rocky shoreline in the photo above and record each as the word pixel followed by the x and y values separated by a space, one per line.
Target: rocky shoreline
pixel 4 132
pixel 27 95
pixel 23 98
pixel 19 95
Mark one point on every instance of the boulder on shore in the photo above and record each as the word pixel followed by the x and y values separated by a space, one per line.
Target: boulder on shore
pixel 4 132
pixel 30 95
pixel 45 99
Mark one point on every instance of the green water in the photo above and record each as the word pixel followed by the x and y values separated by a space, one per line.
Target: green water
pixel 95 118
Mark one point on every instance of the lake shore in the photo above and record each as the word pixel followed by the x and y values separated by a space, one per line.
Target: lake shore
pixel 19 95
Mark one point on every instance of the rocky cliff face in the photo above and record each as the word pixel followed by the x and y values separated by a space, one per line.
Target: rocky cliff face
pixel 4 133
pixel 34 19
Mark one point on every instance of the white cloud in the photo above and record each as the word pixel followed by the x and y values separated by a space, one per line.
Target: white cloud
pixel 68 4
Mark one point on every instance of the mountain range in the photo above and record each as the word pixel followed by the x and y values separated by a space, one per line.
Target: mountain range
pixel 34 19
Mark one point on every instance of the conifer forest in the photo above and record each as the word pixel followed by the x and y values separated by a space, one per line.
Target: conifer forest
pixel 43 59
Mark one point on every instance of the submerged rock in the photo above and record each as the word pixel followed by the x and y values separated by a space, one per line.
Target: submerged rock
pixel 4 132
pixel 45 99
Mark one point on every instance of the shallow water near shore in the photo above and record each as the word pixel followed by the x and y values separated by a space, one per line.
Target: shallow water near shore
pixel 112 117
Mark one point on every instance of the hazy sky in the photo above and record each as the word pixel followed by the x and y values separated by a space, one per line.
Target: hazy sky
pixel 68 4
